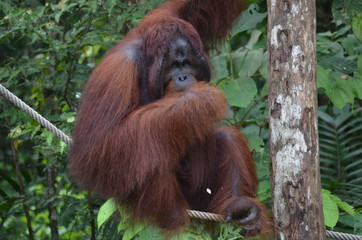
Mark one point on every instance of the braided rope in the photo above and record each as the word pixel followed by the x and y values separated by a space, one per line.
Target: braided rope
pixel 342 236
pixel 206 216
pixel 220 218
pixel 40 119
pixel 192 213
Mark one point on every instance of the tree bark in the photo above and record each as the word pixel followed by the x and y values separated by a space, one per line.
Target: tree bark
pixel 53 216
pixel 294 149
pixel 22 189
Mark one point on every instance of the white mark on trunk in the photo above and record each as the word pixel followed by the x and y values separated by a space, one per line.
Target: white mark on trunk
pixel 295 9
pixel 276 65
pixel 311 44
pixel 297 55
pixel 282 236
pixel 289 158
pixel 292 147
pixel 274 35
pixel 309 194
pixel 273 4
pixel 285 73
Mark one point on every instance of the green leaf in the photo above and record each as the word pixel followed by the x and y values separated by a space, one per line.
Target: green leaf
pixel 346 207
pixel 133 231
pixel 356 84
pixel 351 44
pixel 359 65
pixel 246 62
pixel 344 10
pixel 330 209
pixel 249 20
pixel 255 34
pixel 343 205
pixel 5 206
pixel 255 143
pixel 4 6
pixel 106 211
pixel 341 93
pixel 239 92
pixel 357 26
pixel 48 137
pixel 17 12
pixel 125 219
pixel 92 5
pixel 110 4
pixel 264 190
pixel 149 233
pixel 219 63
pixel 342 31
pixel 10 181
pixel 354 222
pixel 341 64
pixel 324 81
pixel 4 73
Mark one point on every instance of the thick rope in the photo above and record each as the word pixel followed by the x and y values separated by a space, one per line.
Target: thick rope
pixel 342 236
pixel 220 218
pixel 40 119
pixel 192 213
pixel 206 216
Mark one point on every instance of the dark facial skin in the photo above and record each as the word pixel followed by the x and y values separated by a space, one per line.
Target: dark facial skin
pixel 182 65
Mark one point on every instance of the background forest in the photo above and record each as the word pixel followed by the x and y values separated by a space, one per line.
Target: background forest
pixel 48 49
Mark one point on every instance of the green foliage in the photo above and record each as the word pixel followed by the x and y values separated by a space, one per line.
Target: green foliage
pixel 240 71
pixel 340 81
pixel 352 223
pixel 357 26
pixel 239 92
pixel 105 212
pixel 339 77
pixel 331 204
pixel 47 53
pixel 345 10
pixel 139 231
pixel 340 135
pixel 249 20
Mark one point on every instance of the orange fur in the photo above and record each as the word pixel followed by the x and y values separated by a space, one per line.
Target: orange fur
pixel 154 149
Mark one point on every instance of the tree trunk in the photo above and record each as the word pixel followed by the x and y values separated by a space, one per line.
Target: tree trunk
pixel 53 216
pixel 294 149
